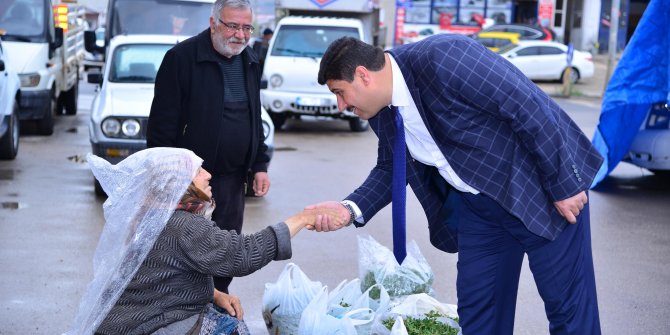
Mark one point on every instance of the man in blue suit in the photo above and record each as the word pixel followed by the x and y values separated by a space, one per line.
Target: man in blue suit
pixel 500 170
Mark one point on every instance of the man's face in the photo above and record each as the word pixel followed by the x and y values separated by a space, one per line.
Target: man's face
pixel 357 96
pixel 226 40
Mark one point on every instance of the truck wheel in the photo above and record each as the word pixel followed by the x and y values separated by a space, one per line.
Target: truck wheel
pixel 45 126
pixel 358 125
pixel 9 143
pixel 70 99
pixel 278 119
pixel 67 101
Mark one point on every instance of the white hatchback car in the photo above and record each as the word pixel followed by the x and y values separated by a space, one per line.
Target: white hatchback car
pixel 120 111
pixel 544 60
pixel 9 110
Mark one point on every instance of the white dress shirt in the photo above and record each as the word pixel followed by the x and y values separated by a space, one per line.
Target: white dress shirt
pixel 420 143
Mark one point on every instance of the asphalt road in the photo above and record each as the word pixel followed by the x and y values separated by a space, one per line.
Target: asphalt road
pixel 50 220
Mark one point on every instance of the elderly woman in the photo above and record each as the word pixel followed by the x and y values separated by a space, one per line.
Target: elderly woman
pixel 158 251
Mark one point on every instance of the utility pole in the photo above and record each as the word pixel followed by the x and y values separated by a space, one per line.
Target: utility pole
pixel 612 47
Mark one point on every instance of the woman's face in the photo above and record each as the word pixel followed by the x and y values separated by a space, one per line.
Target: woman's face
pixel 201 181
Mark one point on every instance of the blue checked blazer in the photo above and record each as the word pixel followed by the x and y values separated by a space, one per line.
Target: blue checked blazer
pixel 501 134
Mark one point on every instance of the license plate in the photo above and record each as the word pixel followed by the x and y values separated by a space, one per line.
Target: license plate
pixel 306 101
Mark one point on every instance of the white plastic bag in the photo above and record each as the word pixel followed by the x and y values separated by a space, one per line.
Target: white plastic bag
pixel 316 320
pixel 398 327
pixel 416 306
pixel 343 297
pixel 376 264
pixel 420 304
pixel 347 301
pixel 285 300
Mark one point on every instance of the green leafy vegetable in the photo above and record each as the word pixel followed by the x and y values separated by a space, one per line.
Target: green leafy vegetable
pixel 430 325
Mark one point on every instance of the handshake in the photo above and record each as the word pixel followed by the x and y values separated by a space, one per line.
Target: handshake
pixel 325 216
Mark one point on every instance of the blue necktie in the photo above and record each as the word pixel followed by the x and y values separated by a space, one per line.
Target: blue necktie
pixel 399 188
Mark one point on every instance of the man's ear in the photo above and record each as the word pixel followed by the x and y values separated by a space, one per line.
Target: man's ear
pixel 363 73
pixel 212 23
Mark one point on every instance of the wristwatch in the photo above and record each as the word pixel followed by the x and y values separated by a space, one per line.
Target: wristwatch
pixel 352 214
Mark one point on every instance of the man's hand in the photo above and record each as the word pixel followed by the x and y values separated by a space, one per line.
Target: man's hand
pixel 230 303
pixel 335 221
pixel 308 218
pixel 571 207
pixel 261 184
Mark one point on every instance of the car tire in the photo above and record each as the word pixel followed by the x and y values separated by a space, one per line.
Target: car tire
pixel 9 143
pixel 98 189
pixel 67 101
pixel 278 119
pixel 45 126
pixel 661 173
pixel 358 125
pixel 574 75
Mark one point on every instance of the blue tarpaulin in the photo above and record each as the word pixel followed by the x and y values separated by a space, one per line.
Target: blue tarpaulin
pixel 641 78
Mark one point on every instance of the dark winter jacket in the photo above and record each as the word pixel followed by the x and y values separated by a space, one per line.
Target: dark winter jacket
pixel 188 104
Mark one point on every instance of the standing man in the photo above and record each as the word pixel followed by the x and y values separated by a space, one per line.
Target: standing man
pixel 207 99
pixel 500 170
pixel 261 46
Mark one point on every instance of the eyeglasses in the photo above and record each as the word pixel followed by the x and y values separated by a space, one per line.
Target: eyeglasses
pixel 234 27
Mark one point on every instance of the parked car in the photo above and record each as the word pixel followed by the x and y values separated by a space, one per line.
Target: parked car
pixel 541 60
pixel 650 148
pixel 525 31
pixel 9 110
pixel 494 40
pixel 120 110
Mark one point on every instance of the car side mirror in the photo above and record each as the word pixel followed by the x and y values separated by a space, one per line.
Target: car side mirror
pixel 2 65
pixel 58 39
pixel 512 55
pixel 94 78
pixel 264 84
pixel 90 42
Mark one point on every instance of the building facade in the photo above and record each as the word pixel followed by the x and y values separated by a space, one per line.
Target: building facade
pixel 584 23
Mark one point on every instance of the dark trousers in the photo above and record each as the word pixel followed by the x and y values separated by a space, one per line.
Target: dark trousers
pixel 492 245
pixel 228 193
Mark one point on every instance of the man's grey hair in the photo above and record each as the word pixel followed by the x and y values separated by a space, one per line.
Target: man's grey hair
pixel 238 4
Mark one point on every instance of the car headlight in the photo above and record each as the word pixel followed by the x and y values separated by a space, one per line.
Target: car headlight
pixel 29 79
pixel 130 128
pixel 266 130
pixel 121 128
pixel 111 127
pixel 276 80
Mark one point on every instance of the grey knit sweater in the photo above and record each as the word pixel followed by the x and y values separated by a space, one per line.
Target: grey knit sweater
pixel 175 280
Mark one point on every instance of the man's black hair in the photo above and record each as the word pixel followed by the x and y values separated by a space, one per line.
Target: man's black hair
pixel 344 55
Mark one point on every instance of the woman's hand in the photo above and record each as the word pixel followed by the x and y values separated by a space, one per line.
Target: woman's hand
pixel 309 217
pixel 230 303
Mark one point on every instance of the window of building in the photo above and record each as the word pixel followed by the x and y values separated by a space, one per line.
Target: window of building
pixel 457 11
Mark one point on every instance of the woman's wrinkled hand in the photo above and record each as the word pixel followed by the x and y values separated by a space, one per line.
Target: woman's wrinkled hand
pixel 230 303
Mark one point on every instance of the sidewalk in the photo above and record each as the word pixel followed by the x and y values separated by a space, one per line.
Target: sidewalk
pixel 591 88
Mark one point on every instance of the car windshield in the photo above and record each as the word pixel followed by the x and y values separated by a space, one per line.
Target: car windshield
pixel 164 17
pixel 137 63
pixel 23 20
pixel 308 41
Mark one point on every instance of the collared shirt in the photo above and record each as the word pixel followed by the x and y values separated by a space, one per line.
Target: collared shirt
pixel 420 143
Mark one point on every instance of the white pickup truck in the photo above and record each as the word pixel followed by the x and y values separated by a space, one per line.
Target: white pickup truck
pixel 303 33
pixel 44 42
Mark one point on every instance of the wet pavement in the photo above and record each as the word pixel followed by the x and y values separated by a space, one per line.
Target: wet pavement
pixel 50 220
